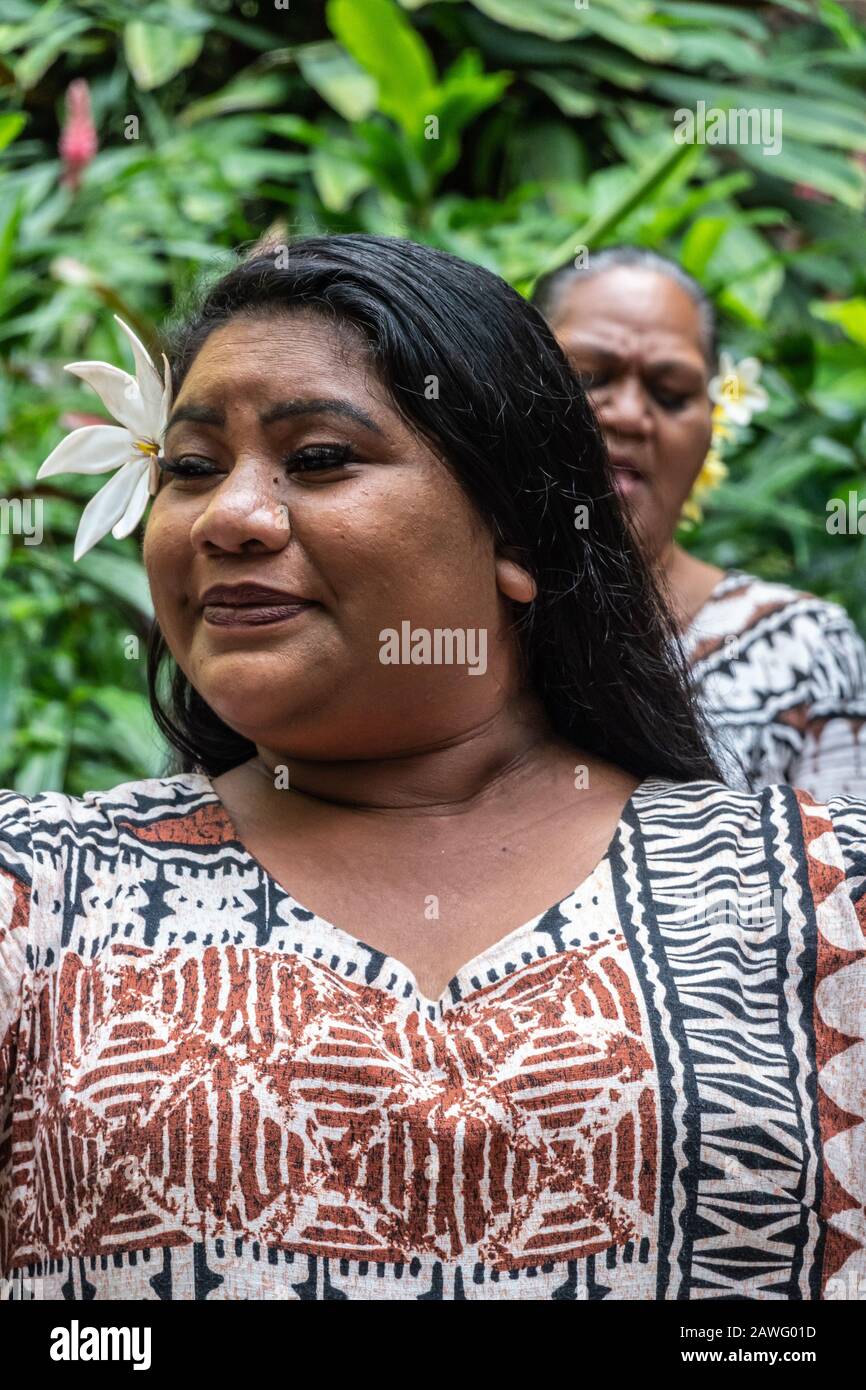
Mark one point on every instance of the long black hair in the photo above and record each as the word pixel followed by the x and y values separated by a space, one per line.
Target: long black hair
pixel 475 370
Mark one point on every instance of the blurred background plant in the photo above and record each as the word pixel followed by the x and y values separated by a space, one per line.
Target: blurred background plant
pixel 136 153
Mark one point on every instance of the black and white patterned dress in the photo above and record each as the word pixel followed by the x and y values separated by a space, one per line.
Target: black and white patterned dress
pixel 655 1089
pixel 782 679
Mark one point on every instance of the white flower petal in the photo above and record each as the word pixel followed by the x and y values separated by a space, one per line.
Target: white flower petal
pixel 738 412
pixel 748 370
pixel 120 392
pixel 146 374
pixel 90 449
pixel 136 506
pixel 140 404
pixel 726 365
pixel 108 506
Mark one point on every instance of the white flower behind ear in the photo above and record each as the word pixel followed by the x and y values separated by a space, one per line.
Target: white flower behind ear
pixel 140 404
pixel 736 389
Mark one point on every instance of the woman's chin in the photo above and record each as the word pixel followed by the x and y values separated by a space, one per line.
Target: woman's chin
pixel 238 684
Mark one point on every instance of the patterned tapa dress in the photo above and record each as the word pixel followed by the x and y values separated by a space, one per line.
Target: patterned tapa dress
pixel 653 1090
pixel 782 678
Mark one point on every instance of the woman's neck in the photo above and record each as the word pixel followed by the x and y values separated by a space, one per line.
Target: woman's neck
pixel 454 776
pixel 452 772
pixel 688 581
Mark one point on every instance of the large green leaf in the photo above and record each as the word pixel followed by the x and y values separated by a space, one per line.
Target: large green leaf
pixel 746 273
pixel 41 771
pixel 12 677
pixel 640 186
pixel 122 577
pixel 336 76
pixel 129 730
pixel 464 92
pixel 645 40
pixel 10 221
pixel 247 92
pixel 338 180
pixel 701 241
pixel 11 125
pixel 156 53
pixel 719 19
pixel 555 19
pixel 570 94
pixel 383 42
pixel 848 314
pixel 697 49
pixel 827 123
pixel 829 171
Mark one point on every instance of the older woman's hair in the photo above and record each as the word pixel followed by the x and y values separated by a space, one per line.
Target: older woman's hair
pixel 550 289
pixel 511 422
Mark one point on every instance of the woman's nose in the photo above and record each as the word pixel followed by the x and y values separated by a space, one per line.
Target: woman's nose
pixel 245 512
pixel 623 406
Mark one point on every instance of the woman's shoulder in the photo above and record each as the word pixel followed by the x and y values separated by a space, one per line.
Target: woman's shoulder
pixel 742 603
pixel 52 845
pixel 766 637
pixel 57 815
pixel 704 831
pixel 38 834
pixel 725 808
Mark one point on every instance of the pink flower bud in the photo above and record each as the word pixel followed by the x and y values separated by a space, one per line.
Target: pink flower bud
pixel 78 143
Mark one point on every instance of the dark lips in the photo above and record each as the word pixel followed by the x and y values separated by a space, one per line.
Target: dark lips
pixel 627 477
pixel 622 463
pixel 249 605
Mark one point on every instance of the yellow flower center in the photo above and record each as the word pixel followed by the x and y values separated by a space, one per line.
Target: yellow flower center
pixel 146 446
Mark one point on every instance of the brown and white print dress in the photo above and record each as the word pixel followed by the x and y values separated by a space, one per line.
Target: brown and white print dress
pixel 781 677
pixel 655 1089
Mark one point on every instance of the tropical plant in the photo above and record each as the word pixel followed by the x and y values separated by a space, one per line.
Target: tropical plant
pixel 512 132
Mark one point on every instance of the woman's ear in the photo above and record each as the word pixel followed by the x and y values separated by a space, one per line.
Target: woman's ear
pixel 514 582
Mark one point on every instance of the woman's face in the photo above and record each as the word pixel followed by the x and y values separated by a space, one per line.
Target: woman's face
pixel 634 338
pixel 288 467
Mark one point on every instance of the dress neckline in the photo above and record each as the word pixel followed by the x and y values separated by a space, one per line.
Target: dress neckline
pixel 454 990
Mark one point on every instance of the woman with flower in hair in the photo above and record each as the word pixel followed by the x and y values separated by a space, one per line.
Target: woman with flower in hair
pixel 433 979
pixel 781 675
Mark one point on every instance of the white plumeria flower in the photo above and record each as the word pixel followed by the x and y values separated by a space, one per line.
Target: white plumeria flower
pixel 140 404
pixel 736 388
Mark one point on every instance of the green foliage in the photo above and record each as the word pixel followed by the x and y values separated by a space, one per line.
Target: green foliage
pixel 511 132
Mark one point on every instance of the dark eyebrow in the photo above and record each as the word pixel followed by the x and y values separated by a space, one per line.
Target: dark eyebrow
pixel 610 356
pixel 283 410
pixel 585 345
pixel 674 364
pixel 590 352
pixel 199 414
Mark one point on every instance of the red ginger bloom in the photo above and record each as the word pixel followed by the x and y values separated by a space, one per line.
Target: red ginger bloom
pixel 78 143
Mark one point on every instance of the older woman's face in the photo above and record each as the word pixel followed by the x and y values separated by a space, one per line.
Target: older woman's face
pixel 289 468
pixel 634 338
